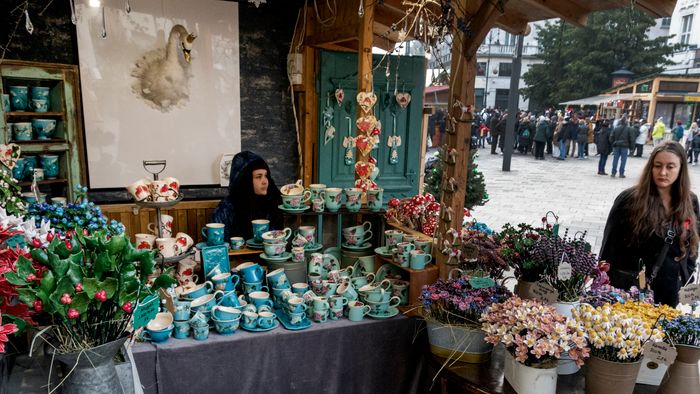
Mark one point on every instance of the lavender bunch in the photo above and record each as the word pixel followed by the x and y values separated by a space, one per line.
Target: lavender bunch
pixel 549 251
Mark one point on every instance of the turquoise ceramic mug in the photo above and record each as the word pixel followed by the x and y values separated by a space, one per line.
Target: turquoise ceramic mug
pixel 19 97
pixel 277 236
pixel 317 190
pixel 181 329
pixel 236 242
pixel 333 198
pixel 354 199
pixel 419 259
pixel 22 131
pixel 375 199
pixel 423 244
pixel 200 333
pixel 158 336
pixel 254 286
pixel 251 272
pixel 274 249
pixel 214 233
pixel 277 279
pixel 357 310
pixel 50 165
pixel 18 169
pixel 392 238
pixel 308 232
pixel 226 312
pixel 260 226
pixel 296 201
pixel 44 128
pixel 250 319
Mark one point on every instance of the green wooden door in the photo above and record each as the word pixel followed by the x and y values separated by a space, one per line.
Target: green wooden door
pixel 339 70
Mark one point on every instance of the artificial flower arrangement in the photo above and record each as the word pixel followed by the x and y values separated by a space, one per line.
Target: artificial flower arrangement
pixel 481 253
pixel 459 301
pixel 682 330
pixel 80 213
pixel 606 294
pixel 516 247
pixel 87 285
pixel 551 252
pixel 614 333
pixel 419 212
pixel 534 333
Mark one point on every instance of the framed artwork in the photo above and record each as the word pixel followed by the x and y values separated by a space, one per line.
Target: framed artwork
pixel 160 82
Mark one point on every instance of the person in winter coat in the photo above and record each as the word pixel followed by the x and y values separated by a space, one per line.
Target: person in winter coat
pixel 621 138
pixel 495 131
pixel 657 134
pixel 582 138
pixel 252 195
pixel 677 132
pixel 551 128
pixel 653 226
pixel 541 137
pixel 694 143
pixel 603 146
pixel 641 138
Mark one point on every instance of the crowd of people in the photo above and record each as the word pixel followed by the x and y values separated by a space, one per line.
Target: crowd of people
pixel 573 132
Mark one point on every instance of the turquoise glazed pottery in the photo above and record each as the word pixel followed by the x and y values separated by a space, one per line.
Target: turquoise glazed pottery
pixel 19 99
pixel 44 128
pixel 50 165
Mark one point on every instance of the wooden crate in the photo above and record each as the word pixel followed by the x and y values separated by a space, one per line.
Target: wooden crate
pixel 416 278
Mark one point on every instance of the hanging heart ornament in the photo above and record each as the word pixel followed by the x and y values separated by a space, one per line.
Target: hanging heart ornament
pixel 364 144
pixel 339 96
pixel 366 124
pixel 403 99
pixel 364 169
pixel 9 154
pixel 366 100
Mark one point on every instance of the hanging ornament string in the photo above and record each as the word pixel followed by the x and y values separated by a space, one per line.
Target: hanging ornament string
pixel 328 121
pixel 104 24
pixel 73 17
pixel 127 7
pixel 28 23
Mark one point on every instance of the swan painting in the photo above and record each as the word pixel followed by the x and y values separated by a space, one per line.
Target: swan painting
pixel 162 75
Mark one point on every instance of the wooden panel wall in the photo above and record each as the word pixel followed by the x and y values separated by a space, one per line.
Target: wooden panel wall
pixel 188 217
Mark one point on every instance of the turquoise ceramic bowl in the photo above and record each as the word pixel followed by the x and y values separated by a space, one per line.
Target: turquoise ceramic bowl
pixel 22 131
pixel 40 92
pixel 50 165
pixel 19 99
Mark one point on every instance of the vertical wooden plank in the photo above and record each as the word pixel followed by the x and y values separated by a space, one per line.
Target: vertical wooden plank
pixel 143 221
pixel 310 116
pixel 181 222
pixel 201 222
pixel 423 147
pixel 125 218
pixel 364 60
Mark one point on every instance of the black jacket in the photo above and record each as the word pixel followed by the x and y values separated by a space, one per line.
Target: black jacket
pixel 242 205
pixel 623 136
pixel 602 141
pixel 629 255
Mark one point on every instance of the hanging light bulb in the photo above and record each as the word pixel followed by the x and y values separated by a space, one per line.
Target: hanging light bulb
pixel 28 23
pixel 73 17
pixel 361 10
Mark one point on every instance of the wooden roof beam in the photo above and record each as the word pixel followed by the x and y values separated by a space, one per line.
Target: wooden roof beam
pixel 656 8
pixel 481 23
pixel 334 35
pixel 512 23
pixel 568 11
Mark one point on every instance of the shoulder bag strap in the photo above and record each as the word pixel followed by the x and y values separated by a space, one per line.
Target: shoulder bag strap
pixel 670 235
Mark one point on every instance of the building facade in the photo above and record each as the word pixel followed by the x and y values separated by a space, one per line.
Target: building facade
pixel 684 27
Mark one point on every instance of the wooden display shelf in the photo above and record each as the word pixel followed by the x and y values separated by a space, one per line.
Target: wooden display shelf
pixel 244 251
pixel 44 182
pixel 37 142
pixel 417 278
pixel 22 114
pixel 341 211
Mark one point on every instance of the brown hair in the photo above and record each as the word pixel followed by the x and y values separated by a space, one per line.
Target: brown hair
pixel 647 212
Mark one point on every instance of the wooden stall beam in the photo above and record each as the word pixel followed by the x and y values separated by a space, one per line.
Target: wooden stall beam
pixel 568 11
pixel 480 25
pixel 365 35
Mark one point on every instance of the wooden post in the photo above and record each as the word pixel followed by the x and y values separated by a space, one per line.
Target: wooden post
pixel 364 60
pixel 462 80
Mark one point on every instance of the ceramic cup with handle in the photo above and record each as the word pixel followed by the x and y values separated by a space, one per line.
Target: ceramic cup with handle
pixel 333 198
pixel 260 226
pixel 375 199
pixel 184 241
pixel 357 310
pixel 214 233
pixel 145 241
pixel 167 247
pixel 354 196
pixel 140 189
pixel 166 226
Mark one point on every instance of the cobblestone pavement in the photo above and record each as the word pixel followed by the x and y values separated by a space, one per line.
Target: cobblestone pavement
pixel 571 188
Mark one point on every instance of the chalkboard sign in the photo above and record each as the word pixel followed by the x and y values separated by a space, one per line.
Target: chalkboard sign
pixel 146 310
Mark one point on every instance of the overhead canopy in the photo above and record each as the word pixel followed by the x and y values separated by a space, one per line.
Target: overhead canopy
pixel 595 100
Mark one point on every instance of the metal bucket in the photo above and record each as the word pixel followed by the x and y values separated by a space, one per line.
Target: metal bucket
pixel 684 374
pixel 458 343
pixel 604 376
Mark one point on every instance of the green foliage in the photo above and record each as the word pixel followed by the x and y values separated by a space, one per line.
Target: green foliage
pixel 476 186
pixel 10 193
pixel 578 61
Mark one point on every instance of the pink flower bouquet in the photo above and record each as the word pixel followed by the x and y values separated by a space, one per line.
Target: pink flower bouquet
pixel 534 333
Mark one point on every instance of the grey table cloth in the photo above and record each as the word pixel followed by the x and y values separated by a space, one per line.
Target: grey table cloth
pixel 371 356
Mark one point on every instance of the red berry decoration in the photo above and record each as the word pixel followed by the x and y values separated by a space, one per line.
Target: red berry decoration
pixel 101 295
pixel 38 305
pixel 49 237
pixel 69 246
pixel 128 307
pixel 73 314
pixel 78 287
pixel 85 232
pixel 31 278
pixel 66 299
pixel 36 243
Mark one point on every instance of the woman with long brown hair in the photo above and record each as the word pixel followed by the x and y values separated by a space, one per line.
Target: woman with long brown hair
pixel 653 226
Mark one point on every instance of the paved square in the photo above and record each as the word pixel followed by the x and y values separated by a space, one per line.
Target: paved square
pixel 570 188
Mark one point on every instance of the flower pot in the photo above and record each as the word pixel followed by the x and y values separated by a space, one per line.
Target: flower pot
pixel 684 374
pixel 529 380
pixel 458 343
pixel 566 366
pixel 604 376
pixel 91 371
pixel 522 289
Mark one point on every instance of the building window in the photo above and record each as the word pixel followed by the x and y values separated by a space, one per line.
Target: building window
pixel 479 98
pixel 480 69
pixel 665 23
pixel 509 39
pixel 686 27
pixel 676 86
pixel 501 99
pixel 505 69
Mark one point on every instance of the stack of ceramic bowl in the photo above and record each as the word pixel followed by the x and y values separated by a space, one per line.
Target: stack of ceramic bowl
pixel 275 245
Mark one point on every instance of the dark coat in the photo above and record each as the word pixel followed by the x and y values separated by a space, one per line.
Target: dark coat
pixel 541 131
pixel 242 205
pixel 623 136
pixel 627 254
pixel 582 134
pixel 603 142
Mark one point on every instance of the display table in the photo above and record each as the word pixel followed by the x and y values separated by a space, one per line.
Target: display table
pixel 371 356
pixel 488 377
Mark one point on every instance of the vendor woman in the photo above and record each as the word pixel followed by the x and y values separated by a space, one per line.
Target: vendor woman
pixel 655 225
pixel 252 194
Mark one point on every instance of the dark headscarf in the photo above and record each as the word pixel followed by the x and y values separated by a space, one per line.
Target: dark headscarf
pixel 242 204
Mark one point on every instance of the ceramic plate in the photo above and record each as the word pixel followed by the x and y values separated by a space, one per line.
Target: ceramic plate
pixel 383 251
pixel 274 325
pixel 364 246
pixel 284 319
pixel 293 210
pixel 213 256
pixel 203 245
pixel 312 247
pixel 283 257
pixel 252 244
pixel 391 312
